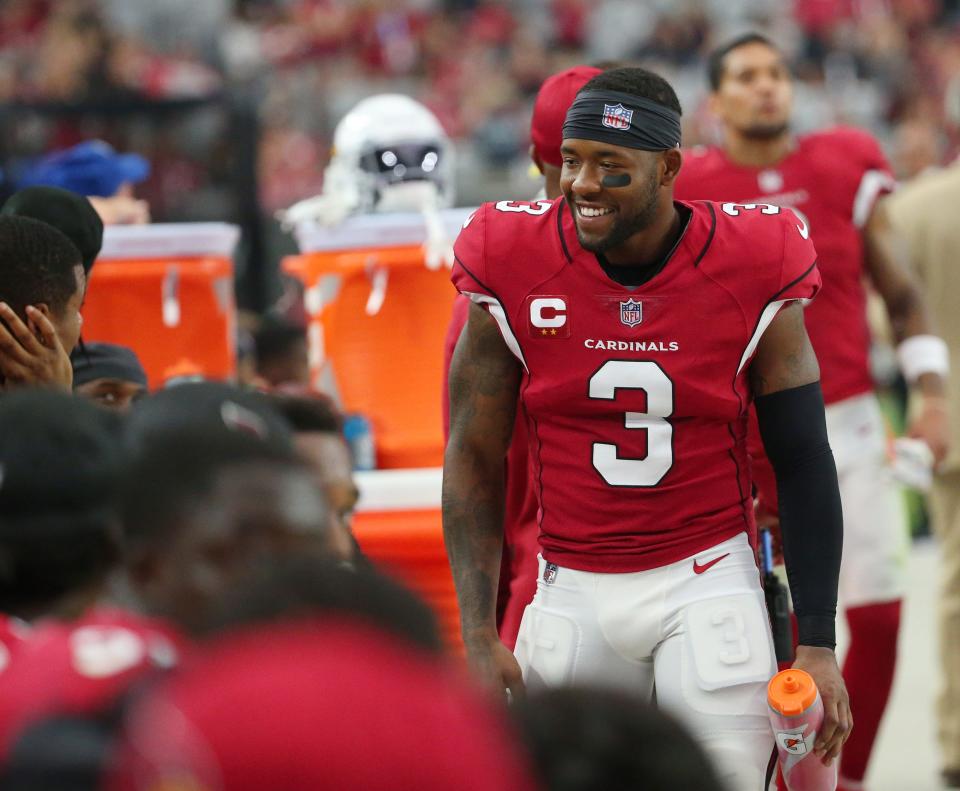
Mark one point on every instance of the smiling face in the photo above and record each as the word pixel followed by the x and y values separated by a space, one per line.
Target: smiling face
pixel 755 93
pixel 607 216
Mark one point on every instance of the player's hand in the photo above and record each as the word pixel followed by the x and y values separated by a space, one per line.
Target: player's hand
pixel 495 665
pixel 932 426
pixel 121 210
pixel 32 356
pixel 821 664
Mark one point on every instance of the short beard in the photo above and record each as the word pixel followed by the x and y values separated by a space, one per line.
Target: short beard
pixel 624 228
pixel 764 132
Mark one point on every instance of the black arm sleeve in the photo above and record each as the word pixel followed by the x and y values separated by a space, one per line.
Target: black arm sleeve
pixel 794 433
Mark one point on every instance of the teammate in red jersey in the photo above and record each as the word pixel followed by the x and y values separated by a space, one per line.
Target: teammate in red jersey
pixel 518 568
pixel 835 180
pixel 636 332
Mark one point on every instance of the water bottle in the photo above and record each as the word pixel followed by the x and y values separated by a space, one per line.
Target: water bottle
pixel 796 715
pixel 358 433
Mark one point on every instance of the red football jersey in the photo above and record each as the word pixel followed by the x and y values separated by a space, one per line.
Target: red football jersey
pixel 518 564
pixel 832 180
pixel 636 398
pixel 80 667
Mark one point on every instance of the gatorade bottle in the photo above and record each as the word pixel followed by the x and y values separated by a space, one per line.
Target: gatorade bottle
pixel 796 714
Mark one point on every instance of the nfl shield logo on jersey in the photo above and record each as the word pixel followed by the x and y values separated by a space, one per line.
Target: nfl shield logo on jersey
pixel 616 116
pixel 631 312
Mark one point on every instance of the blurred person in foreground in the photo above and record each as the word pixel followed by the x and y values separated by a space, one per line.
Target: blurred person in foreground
pixel 595 739
pixel 640 419
pixel 109 375
pixel 346 697
pixel 318 437
pixel 42 285
pixel 925 215
pixel 60 469
pixel 518 566
pixel 93 169
pixel 308 587
pixel 72 753
pixel 835 181
pixel 206 500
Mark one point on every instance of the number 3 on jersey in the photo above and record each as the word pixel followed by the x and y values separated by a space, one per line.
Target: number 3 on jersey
pixel 649 377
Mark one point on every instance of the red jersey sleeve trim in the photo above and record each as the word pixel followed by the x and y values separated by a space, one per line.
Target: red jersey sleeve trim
pixel 873 184
pixel 713 230
pixel 494 306
pixel 769 313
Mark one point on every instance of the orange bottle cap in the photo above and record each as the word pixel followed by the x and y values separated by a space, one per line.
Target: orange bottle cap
pixel 791 692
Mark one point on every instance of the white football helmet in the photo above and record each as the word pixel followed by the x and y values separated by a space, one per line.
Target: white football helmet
pixel 390 154
pixel 386 145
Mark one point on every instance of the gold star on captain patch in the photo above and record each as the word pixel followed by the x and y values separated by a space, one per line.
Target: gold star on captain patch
pixel 543 332
pixel 553 332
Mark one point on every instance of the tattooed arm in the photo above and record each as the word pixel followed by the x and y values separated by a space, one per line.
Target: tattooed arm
pixel 784 377
pixel 484 385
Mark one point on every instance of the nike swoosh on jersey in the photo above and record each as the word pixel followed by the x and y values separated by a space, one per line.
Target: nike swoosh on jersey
pixel 699 569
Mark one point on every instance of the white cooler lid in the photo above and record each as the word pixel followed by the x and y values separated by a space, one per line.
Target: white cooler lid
pixel 163 240
pixel 375 230
pixel 399 490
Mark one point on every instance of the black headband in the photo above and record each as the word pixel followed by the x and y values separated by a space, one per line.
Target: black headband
pixel 622 120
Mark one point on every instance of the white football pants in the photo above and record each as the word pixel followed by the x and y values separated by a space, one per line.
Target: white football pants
pixel 700 641
pixel 876 540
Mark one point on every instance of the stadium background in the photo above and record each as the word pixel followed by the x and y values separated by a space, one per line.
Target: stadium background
pixel 234 101
pixel 234 104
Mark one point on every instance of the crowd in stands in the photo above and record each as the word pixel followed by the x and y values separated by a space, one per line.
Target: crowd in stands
pixel 889 65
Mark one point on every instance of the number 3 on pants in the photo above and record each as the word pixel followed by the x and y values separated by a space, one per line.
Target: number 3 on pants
pixel 649 377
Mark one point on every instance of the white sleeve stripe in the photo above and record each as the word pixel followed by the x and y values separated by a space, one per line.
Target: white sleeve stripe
pixel 871 185
pixel 495 309
pixel 769 313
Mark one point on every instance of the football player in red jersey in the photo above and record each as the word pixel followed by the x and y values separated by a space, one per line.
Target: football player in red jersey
pixel 636 333
pixel 518 568
pixel 834 180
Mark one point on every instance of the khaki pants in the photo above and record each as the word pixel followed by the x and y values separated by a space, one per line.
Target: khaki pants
pixel 945 511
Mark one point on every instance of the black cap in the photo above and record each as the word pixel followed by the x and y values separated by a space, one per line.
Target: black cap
pixel 71 214
pixel 93 361
pixel 206 406
pixel 59 454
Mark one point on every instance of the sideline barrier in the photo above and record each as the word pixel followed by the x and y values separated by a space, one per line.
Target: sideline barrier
pixel 166 291
pixel 378 317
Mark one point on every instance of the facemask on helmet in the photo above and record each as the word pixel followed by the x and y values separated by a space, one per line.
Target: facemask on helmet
pixel 390 154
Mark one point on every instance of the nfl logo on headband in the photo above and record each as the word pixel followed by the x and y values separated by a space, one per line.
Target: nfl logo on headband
pixel 616 116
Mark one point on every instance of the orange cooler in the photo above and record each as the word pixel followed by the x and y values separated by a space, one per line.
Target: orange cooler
pixel 166 291
pixel 378 317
